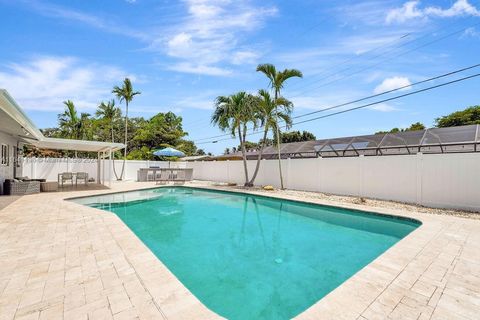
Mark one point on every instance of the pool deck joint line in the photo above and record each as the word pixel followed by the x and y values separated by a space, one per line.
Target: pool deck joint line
pixel 62 260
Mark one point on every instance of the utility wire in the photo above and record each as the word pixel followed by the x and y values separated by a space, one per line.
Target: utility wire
pixel 368 97
pixel 364 106
pixel 348 75
pixel 389 91
pixel 298 94
pixel 324 71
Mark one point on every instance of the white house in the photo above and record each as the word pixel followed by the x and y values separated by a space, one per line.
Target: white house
pixel 16 130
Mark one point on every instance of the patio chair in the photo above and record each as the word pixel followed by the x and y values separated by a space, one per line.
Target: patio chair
pixel 82 176
pixel 151 175
pixel 164 176
pixel 179 176
pixel 65 177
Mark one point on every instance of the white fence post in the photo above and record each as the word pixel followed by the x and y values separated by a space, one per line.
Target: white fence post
pixel 361 182
pixel 419 177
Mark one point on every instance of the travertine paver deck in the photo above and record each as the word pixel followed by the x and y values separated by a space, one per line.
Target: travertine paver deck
pixel 62 260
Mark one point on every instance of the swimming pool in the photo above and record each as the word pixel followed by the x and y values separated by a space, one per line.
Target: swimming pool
pixel 253 257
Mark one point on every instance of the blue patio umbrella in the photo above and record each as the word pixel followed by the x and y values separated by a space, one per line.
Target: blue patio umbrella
pixel 169 152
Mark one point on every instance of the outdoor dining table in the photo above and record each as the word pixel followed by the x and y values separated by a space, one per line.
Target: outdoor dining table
pixel 142 173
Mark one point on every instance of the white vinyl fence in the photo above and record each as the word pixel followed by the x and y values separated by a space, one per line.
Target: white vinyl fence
pixel 49 168
pixel 436 180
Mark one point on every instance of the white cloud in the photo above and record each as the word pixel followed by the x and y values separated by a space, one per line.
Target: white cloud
pixel 459 8
pixel 210 36
pixel 471 32
pixel 89 19
pixel 383 107
pixel 392 83
pixel 245 57
pixel 408 11
pixel 411 10
pixel 43 83
pixel 187 67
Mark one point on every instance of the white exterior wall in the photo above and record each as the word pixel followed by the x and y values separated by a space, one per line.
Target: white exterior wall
pixel 436 180
pixel 6 172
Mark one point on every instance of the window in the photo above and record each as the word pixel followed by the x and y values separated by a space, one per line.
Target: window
pixel 17 153
pixel 5 157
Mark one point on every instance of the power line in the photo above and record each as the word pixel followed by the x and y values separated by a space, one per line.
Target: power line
pixel 384 53
pixel 323 72
pixel 298 94
pixel 389 91
pixel 366 105
pixel 303 84
pixel 368 97
pixel 390 99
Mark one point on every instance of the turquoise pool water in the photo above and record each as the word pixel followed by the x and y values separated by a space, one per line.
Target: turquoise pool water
pixel 252 257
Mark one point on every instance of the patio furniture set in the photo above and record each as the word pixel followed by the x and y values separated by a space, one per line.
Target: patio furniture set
pixel 24 185
pixel 164 175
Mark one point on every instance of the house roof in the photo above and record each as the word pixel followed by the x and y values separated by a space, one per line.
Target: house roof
pixel 14 122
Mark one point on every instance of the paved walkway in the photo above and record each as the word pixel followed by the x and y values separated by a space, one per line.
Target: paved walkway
pixel 63 260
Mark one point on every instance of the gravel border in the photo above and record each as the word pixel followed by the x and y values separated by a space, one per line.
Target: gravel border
pixel 351 199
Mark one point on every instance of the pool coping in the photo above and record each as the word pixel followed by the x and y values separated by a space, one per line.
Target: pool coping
pixel 336 301
pixel 376 291
pixel 318 308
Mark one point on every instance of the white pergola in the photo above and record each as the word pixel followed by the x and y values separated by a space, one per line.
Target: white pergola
pixel 15 123
pixel 103 149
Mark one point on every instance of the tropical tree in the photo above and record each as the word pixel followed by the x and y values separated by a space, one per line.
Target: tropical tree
pixel 470 115
pixel 277 81
pixel 125 93
pixel 84 131
pixel 68 121
pixel 109 114
pixel 162 130
pixel 297 136
pixel 268 112
pixel 233 114
pixel 413 127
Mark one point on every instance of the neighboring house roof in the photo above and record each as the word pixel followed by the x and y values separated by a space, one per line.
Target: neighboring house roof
pixel 15 122
pixel 196 158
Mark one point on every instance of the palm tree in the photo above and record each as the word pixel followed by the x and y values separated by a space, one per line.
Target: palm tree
pixel 71 125
pixel 267 112
pixel 68 120
pixel 83 126
pixel 110 114
pixel 277 80
pixel 233 113
pixel 125 93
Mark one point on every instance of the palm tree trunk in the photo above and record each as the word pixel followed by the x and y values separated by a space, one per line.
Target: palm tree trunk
pixel 278 143
pixel 244 153
pixel 259 159
pixel 126 140
pixel 113 155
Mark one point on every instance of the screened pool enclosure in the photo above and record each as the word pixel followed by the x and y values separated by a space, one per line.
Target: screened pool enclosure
pixel 435 140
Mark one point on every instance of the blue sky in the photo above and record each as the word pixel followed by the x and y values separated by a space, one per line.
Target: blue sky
pixel 182 54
